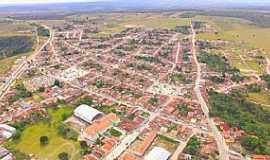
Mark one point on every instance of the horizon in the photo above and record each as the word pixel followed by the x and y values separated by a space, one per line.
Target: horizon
pixel 19 2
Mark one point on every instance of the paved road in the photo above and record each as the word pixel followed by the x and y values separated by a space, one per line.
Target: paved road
pixel 267 66
pixel 222 147
pixel 20 70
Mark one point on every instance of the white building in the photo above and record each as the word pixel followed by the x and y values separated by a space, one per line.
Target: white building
pixel 87 113
pixel 158 153
pixel 6 131
pixel 8 128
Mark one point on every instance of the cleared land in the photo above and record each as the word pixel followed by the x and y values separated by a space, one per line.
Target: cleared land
pixel 117 23
pixel 244 36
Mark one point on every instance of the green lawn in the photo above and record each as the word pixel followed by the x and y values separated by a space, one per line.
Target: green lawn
pixel 29 142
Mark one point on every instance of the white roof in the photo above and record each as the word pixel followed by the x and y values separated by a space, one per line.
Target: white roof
pixel 7 157
pixel 157 153
pixel 8 128
pixel 87 113
pixel 5 134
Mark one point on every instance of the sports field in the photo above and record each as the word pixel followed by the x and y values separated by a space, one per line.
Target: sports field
pixel 29 142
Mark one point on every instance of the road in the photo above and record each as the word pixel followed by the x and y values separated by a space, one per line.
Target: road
pixel 20 70
pixel 222 147
pixel 267 66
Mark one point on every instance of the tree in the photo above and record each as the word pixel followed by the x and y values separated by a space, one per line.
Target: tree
pixel 44 140
pixel 250 143
pixel 58 83
pixel 41 89
pixel 63 156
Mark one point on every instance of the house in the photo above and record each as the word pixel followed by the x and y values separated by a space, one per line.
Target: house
pixel 87 113
pixel 158 153
pixel 5 154
pixel 142 147
pixel 6 131
pixel 259 157
pixel 91 133
pixel 128 156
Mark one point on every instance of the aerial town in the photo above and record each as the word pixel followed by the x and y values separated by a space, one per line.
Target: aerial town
pixel 138 94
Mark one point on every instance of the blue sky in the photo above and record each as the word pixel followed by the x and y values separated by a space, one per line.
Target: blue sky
pixel 60 1
pixel 41 1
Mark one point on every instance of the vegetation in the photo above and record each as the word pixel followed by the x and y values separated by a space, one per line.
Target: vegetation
pixel 253 143
pixel 150 59
pixel 67 132
pixel 266 78
pixel 260 19
pixel 115 132
pixel 197 24
pixel 214 62
pixel 217 79
pixel 44 140
pixel 21 92
pixel 14 45
pixel 42 31
pixel 85 149
pixel 193 146
pixel 165 138
pixel 238 112
pixel 126 91
pixel 183 109
pixel 153 101
pixel 254 88
pixel 85 100
pixel 182 29
pixel 106 109
pixel 220 64
pixel 178 77
pixel 63 156
pixel 58 84
pixel 29 143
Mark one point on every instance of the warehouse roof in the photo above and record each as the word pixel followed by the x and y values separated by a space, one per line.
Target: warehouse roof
pixel 87 113
pixel 158 153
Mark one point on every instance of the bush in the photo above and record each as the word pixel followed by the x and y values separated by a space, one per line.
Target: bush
pixel 254 88
pixel 115 132
pixel 63 156
pixel 67 132
pixel 43 31
pixel 85 149
pixel 86 100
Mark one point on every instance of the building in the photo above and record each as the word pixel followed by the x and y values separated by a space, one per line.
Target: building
pixel 146 143
pixel 91 133
pixel 158 153
pixel 87 113
pixel 5 154
pixel 6 131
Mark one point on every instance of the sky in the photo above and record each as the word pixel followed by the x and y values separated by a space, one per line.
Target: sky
pixel 41 1
pixel 61 1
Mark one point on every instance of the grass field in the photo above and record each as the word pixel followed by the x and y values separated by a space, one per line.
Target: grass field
pixel 29 142
pixel 239 30
pixel 262 98
pixel 117 23
pixel 245 37
pixel 11 28
pixel 8 29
